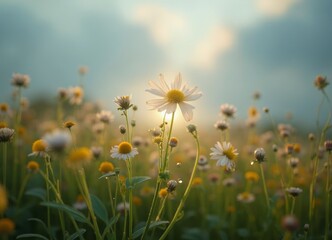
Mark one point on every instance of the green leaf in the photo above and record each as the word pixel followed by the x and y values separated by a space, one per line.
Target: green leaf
pixel 136 180
pixel 39 221
pixel 180 216
pixel 37 192
pixel 109 174
pixel 51 233
pixel 78 216
pixel 112 221
pixel 140 231
pixel 80 232
pixel 99 208
pixel 31 235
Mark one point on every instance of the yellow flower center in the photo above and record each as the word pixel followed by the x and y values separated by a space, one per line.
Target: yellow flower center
pixel 78 93
pixel 175 96
pixel 33 166
pixel 245 195
pixel 125 147
pixel 106 167
pixel 230 153
pixel 4 107
pixel 39 146
pixel 80 155
pixel 7 226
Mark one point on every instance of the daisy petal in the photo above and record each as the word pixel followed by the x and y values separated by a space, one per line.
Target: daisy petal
pixel 176 84
pixel 187 111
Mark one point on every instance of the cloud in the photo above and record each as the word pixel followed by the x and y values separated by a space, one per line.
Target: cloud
pixel 274 7
pixel 218 40
pixel 163 24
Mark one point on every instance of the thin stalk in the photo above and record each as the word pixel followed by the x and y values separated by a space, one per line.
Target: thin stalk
pixel 185 195
pixel 48 194
pixel 293 206
pixel 167 144
pixel 23 185
pixel 161 208
pixel 153 204
pixel 158 184
pixel 4 146
pixel 86 193
pixel 16 145
pixel 265 189
pixel 159 215
pixel 125 221
pixel 58 196
pixel 327 201
pixel 129 168
pixel 109 186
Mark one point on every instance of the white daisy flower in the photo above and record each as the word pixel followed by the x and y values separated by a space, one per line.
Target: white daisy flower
pixel 75 95
pixel 245 197
pixel 105 116
pixel 176 94
pixel 57 140
pixel 123 151
pixel 228 110
pixel 6 134
pixel 225 153
pixel 20 80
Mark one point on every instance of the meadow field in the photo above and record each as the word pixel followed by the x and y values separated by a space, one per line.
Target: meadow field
pixel 73 170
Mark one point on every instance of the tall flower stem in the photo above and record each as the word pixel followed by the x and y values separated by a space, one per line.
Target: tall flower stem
pixel 16 140
pixel 159 181
pixel 4 176
pixel 86 195
pixel 167 144
pixel 264 187
pixel 293 206
pixel 48 193
pixel 23 185
pixel 316 160
pixel 327 201
pixel 59 199
pixel 186 193
pixel 129 168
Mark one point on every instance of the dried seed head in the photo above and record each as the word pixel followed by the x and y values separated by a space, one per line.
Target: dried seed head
pixel 191 128
pixel 259 155
pixel 173 142
pixel 122 129
pixel 171 185
pixel 321 82
pixel 328 145
pixel 290 223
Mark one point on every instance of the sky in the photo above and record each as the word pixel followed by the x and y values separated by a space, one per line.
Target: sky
pixel 228 49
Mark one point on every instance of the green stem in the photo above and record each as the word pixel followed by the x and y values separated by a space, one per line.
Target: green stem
pixel 153 204
pixel 167 144
pixel 86 193
pixel 161 170
pixel 264 187
pixel 48 194
pixel 24 183
pixel 185 195
pixel 4 146
pixel 327 201
pixel 109 186
pixel 129 168
pixel 16 139
pixel 161 208
pixel 58 196
pixel 293 206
